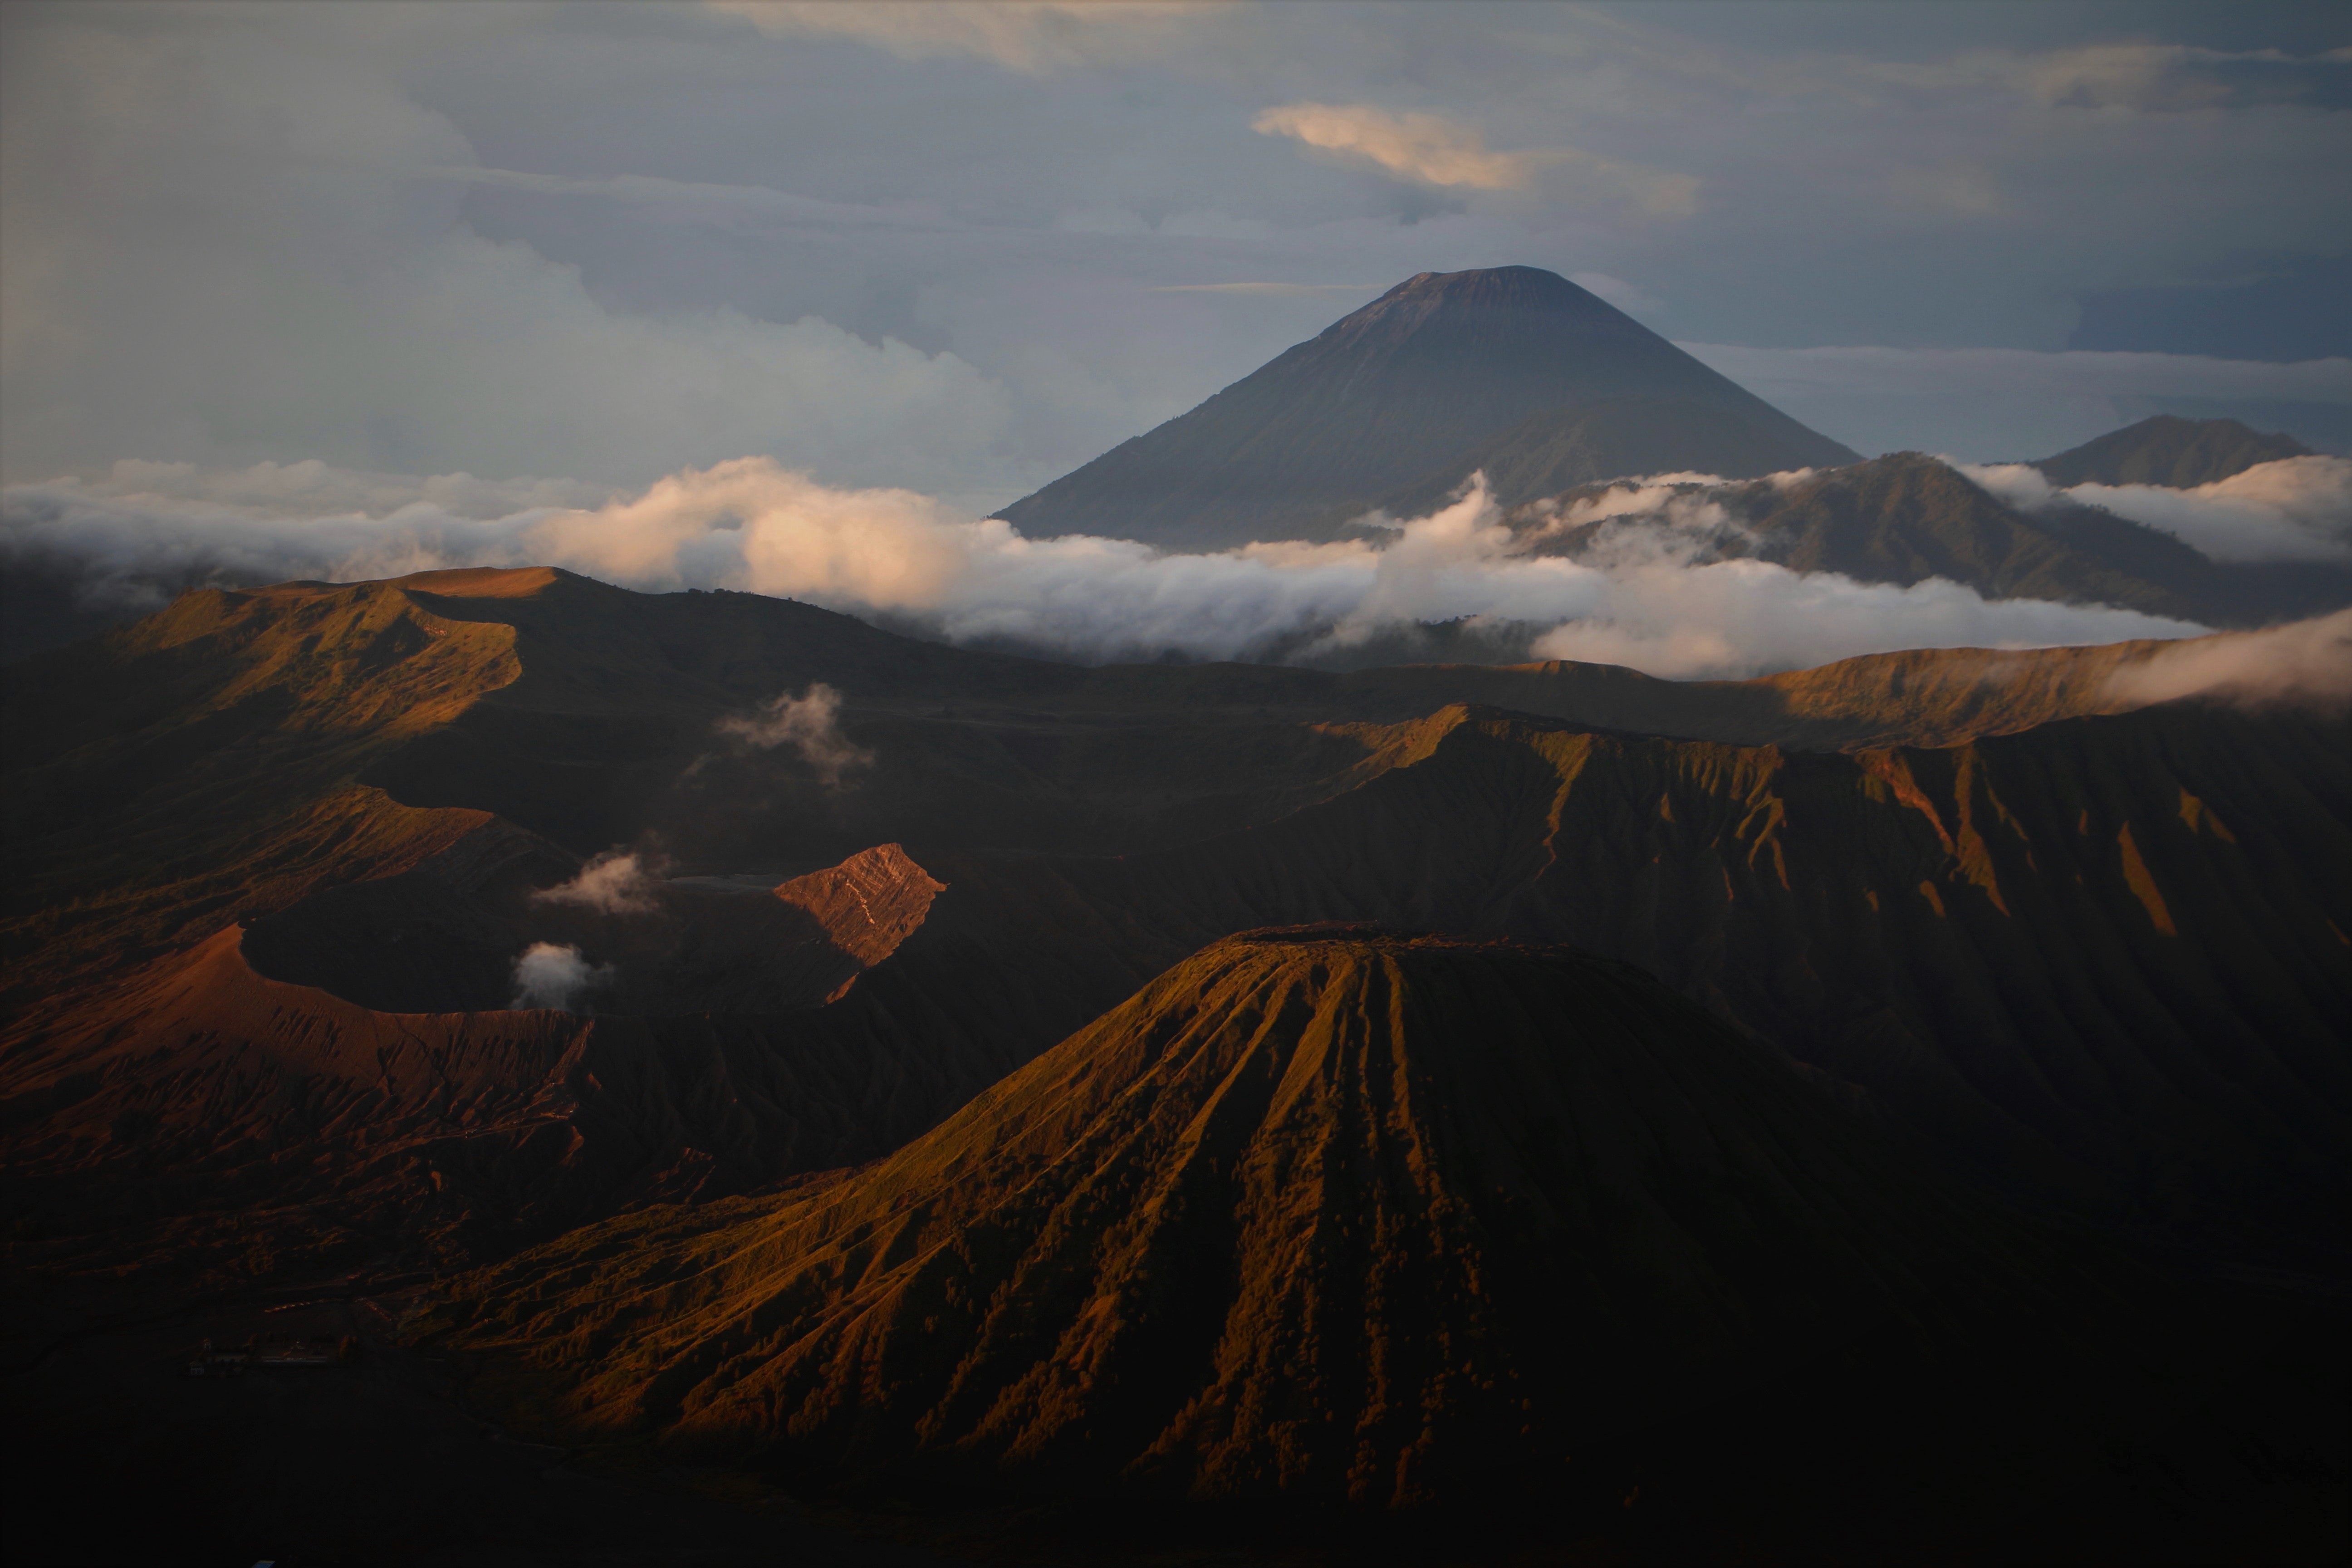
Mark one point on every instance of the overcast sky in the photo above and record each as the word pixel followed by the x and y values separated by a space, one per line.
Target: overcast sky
pixel 963 247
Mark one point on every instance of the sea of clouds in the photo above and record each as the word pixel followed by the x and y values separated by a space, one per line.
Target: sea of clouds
pixel 1648 600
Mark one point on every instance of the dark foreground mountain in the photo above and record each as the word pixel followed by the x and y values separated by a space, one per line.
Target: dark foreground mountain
pixel 1513 368
pixel 272 858
pixel 1331 1214
pixel 2168 450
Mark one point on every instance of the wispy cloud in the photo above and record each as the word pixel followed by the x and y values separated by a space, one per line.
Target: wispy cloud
pixel 617 882
pixel 1432 149
pixel 810 724
pixel 1032 36
pixel 696 195
pixel 1263 288
pixel 2309 662
pixel 2148 77
pixel 1424 147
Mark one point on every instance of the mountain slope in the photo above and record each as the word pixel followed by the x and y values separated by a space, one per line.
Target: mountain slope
pixel 1968 935
pixel 1907 517
pixel 2167 449
pixel 2101 965
pixel 1403 391
pixel 1561 450
pixel 1319 1214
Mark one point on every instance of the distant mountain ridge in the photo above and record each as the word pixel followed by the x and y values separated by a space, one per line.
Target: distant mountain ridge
pixel 1907 517
pixel 1509 368
pixel 2168 451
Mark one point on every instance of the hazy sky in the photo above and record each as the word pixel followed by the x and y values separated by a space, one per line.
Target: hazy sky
pixel 963 248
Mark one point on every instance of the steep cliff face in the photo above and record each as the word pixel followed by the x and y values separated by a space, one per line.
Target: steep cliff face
pixel 1325 1214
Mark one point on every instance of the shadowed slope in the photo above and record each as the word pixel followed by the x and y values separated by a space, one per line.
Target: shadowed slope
pixel 1907 517
pixel 1323 1214
pixel 1564 448
pixel 2166 449
pixel 1412 388
pixel 1964 933
pixel 209 1126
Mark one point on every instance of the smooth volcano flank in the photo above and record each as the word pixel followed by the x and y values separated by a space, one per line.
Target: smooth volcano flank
pixel 1513 370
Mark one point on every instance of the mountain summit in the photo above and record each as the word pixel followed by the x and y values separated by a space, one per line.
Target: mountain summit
pixel 1330 1212
pixel 2166 449
pixel 1511 369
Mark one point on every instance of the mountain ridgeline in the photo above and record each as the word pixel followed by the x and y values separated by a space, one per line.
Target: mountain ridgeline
pixel 1330 1214
pixel 2166 449
pixel 1907 517
pixel 1768 1113
pixel 309 826
pixel 1513 368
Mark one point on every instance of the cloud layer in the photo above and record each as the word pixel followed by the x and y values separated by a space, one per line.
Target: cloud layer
pixel 751 525
pixel 2297 509
pixel 2308 662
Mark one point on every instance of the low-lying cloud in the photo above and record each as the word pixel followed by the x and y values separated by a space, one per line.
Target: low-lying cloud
pixel 2309 662
pixel 549 975
pixel 2295 509
pixel 810 724
pixel 616 882
pixel 750 524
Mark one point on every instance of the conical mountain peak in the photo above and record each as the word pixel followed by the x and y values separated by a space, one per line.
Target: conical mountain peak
pixel 1429 297
pixel 1416 389
pixel 1333 1213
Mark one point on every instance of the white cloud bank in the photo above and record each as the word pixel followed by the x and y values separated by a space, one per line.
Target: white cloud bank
pixel 2295 509
pixel 750 524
